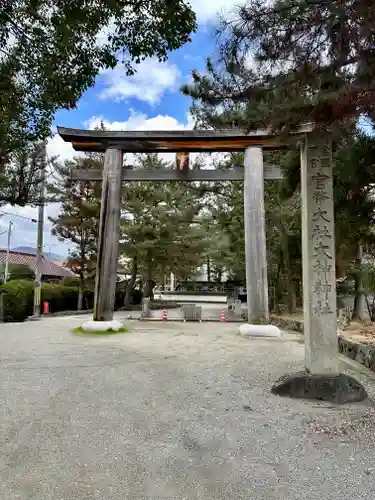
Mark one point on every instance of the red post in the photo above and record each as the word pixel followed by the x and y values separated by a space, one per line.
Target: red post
pixel 45 307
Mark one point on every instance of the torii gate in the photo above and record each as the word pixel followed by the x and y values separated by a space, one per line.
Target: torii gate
pixel 321 378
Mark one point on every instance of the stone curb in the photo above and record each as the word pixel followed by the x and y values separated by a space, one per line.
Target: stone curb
pixel 361 353
pixel 249 331
pixel 295 325
pixel 179 320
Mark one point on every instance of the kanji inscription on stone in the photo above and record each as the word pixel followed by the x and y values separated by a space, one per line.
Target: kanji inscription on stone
pixel 321 229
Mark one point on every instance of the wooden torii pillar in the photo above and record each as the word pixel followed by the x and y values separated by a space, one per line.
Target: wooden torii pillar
pixel 109 236
pixel 255 237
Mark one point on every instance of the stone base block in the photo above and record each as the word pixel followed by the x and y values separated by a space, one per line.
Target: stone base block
pixel 102 326
pixel 259 331
pixel 338 389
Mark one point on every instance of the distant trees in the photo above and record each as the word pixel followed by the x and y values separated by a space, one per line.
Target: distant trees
pixel 160 229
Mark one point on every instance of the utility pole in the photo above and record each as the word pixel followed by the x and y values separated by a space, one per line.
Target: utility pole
pixel 8 250
pixel 39 251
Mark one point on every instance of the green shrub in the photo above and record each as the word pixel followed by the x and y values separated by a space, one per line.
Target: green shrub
pixel 65 298
pixel 70 281
pixel 20 272
pixel 18 300
pixel 345 287
pixel 137 296
pixel 60 298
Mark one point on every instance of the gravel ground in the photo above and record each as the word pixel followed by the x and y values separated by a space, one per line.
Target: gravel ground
pixel 171 411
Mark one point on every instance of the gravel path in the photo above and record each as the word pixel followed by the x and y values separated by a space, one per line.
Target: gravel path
pixel 170 411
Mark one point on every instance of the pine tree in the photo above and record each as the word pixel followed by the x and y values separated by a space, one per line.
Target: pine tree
pixel 158 228
pixel 78 219
pixel 289 62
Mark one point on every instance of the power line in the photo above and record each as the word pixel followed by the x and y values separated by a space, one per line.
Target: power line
pixel 17 215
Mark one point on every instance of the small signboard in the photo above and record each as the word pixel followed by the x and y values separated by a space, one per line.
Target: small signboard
pixel 272 173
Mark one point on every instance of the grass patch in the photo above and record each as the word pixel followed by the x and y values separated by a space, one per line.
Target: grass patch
pixel 106 332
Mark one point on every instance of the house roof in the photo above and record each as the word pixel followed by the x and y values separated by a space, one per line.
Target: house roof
pixel 49 268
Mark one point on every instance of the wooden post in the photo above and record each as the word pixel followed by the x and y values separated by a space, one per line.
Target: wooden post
pixel 109 235
pixel 255 237
pixel 318 260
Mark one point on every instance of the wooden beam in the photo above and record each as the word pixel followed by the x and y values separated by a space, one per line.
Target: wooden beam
pixel 271 173
pixel 175 141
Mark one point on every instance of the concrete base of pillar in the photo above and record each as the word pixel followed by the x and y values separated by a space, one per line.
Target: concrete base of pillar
pixel 247 330
pixel 102 326
pixel 337 389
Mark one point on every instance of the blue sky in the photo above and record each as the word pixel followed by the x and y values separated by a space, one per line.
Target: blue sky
pixel 150 100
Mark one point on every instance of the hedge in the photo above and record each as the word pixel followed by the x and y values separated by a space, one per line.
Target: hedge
pixel 19 297
pixel 18 300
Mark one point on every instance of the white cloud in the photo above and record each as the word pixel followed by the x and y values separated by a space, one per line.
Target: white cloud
pixel 148 84
pixel 59 149
pixel 207 9
pixel 140 121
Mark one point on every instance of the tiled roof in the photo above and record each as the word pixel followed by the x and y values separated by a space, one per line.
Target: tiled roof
pixel 49 268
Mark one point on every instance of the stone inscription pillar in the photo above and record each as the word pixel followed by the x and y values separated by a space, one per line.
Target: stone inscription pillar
pixel 109 235
pixel 321 379
pixel 318 257
pixel 255 237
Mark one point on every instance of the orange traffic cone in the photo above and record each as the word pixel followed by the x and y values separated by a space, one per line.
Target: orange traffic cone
pixel 164 315
pixel 222 317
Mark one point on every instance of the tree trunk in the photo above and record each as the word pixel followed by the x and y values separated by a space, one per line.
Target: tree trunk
pixel 292 299
pixel 359 297
pixel 278 293
pixel 131 282
pixel 340 265
pixel 80 292
pixel 219 275
pixel 149 291
pixel 208 269
pixel 81 274
pixel 80 299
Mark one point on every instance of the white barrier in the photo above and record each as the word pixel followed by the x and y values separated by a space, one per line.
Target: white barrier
pixel 171 297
